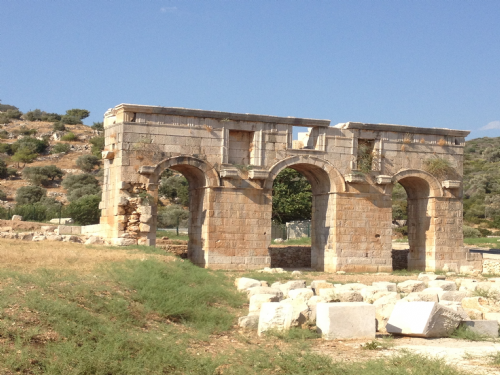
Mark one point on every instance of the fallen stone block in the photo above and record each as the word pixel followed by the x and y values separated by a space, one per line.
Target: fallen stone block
pixel 25 236
pixel 264 290
pixel 290 285
pixel 275 316
pixel 314 282
pixel 452 296
pixel 383 309
pixel 410 286
pixel 353 286
pixel 426 277
pixel 54 237
pixel 449 286
pixel 482 327
pixel 345 320
pixel 423 319
pixel 474 314
pixel 422 297
pixel 94 240
pixel 312 303
pixel 320 285
pixel 124 241
pixel 372 293
pixel 257 300
pixel 456 306
pixel 243 283
pixel 303 293
pixel 48 228
pixel 334 295
pixel 391 287
pixel 476 303
pixel 62 221
pixel 301 311
pixel 38 238
pixel 249 322
pixel 71 238
pixel 17 218
pixel 296 273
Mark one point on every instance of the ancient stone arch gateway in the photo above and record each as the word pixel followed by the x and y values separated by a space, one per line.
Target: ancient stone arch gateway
pixel 231 160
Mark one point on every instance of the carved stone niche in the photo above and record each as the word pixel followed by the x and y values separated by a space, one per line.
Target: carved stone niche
pixel 383 179
pixel 451 184
pixel 355 178
pixel 255 174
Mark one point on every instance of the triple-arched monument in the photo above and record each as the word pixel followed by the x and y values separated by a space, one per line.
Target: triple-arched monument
pixel 231 159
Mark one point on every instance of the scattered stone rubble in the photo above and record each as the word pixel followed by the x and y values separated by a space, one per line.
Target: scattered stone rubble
pixel 428 307
pixel 52 233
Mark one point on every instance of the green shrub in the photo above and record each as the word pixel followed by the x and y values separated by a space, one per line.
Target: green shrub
pixel 97 145
pixel 3 196
pixel 60 147
pixel 30 194
pixel 78 113
pixel 87 162
pixel 470 232
pixel 11 172
pixel 36 146
pixel 85 210
pixel 41 175
pixel 69 137
pixel 4 134
pixel 484 232
pixel 50 117
pixel 99 126
pixel 70 120
pixel 58 127
pixel 176 189
pixel 3 169
pixel 80 185
pixel 35 115
pixel 5 148
pixel 24 155
pixel 24 130
pixel 438 167
pixel 6 107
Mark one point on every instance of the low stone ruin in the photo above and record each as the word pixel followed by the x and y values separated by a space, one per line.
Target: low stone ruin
pixel 430 306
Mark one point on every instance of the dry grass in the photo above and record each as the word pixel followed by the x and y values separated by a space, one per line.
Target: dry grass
pixel 28 256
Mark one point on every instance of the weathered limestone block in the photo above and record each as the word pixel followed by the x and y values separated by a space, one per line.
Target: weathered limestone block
pixel 369 293
pixel 38 238
pixel 48 228
pixel 71 238
pixel 275 316
pixel 264 290
pixel 257 300
pixel 314 282
pixel 476 303
pixel 383 309
pixel 317 286
pixel 353 286
pixel 145 228
pixel 410 286
pixel 62 221
pixel 303 293
pixel 301 312
pixel 426 277
pixel 54 237
pixel 94 240
pixel 17 218
pixel 474 314
pixel 456 306
pixel 391 287
pixel 449 286
pixel 249 322
pixel 290 285
pixel 487 328
pixel 25 236
pixel 124 241
pixel 341 295
pixel 423 319
pixel 312 303
pixel 452 296
pixel 345 320
pixel 243 283
pixel 421 296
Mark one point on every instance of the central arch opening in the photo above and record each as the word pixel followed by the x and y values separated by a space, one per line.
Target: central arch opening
pixel 300 198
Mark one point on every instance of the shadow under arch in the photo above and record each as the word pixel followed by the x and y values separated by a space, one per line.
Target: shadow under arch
pixel 421 188
pixel 324 179
pixel 200 175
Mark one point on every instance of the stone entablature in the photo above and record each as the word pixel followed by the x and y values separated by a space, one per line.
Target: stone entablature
pixel 231 160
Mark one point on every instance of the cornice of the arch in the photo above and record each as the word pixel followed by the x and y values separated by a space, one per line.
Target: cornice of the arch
pixel 211 175
pixel 435 186
pixel 337 182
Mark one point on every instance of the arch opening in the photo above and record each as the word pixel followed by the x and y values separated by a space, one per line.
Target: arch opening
pixel 312 205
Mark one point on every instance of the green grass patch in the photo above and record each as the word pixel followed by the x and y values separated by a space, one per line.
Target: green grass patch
pixel 405 272
pixel 306 241
pixel 464 333
pixel 491 243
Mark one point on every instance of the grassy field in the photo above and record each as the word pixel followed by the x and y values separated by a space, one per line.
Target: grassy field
pixel 72 309
pixel 172 235
pixel 491 243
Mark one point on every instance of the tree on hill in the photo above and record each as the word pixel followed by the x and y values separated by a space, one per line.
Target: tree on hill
pixel 99 126
pixel 24 155
pixel 75 116
pixel 42 175
pixel 97 145
pixel 87 162
pixel 30 194
pixel 79 185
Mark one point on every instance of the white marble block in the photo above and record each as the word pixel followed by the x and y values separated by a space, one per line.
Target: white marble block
pixel 346 320
pixel 423 319
pixel 275 316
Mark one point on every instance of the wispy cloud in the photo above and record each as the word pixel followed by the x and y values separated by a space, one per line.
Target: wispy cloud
pixel 491 125
pixel 168 9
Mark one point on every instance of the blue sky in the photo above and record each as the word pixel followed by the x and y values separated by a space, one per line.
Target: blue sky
pixel 420 63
